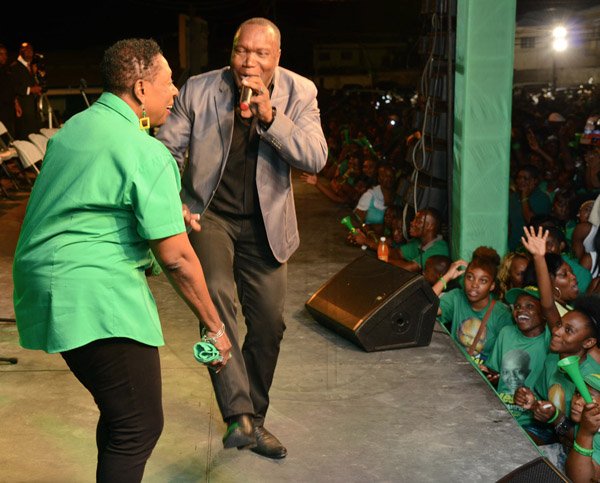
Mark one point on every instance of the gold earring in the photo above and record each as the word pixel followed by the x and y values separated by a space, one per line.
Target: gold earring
pixel 559 293
pixel 144 120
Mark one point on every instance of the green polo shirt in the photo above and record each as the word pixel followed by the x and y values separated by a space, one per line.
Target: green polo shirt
pixel 105 188
pixel 413 252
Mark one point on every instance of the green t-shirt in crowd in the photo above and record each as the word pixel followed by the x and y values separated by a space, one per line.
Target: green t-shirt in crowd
pixel 465 322
pixel 413 252
pixel 105 188
pixel 556 386
pixel 520 361
pixel 539 203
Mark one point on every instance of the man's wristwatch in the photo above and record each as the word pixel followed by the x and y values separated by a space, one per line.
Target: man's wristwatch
pixel 265 125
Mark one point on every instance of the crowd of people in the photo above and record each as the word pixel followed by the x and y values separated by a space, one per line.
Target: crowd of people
pixel 514 314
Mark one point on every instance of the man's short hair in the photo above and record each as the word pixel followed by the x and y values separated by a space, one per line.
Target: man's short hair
pixel 263 22
pixel 435 216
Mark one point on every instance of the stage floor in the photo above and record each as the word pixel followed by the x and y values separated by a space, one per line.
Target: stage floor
pixel 408 415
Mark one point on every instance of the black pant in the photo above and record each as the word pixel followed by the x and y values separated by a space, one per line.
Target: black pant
pixel 124 379
pixel 235 252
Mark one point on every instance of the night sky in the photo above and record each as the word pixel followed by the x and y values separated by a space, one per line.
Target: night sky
pixel 73 35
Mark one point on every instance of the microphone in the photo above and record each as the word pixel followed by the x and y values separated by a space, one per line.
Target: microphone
pixel 245 96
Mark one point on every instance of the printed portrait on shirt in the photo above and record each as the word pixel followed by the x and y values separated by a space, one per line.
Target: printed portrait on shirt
pixel 515 369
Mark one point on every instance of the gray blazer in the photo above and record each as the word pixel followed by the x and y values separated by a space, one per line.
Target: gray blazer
pixel 201 124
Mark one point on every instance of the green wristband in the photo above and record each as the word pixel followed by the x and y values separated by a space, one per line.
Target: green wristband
pixel 582 451
pixel 551 420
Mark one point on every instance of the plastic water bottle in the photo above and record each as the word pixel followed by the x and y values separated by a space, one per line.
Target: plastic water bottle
pixel 382 250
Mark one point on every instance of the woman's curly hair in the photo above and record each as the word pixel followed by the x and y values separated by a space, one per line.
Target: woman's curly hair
pixel 504 271
pixel 127 61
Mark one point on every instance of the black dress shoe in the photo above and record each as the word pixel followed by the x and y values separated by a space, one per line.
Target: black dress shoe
pixel 267 444
pixel 240 432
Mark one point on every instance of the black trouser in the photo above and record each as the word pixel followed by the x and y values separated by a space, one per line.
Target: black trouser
pixel 124 379
pixel 235 252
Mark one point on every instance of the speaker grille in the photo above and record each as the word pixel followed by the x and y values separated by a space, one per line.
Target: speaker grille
pixel 539 470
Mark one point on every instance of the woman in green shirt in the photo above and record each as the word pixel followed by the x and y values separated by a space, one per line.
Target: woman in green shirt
pixel 107 196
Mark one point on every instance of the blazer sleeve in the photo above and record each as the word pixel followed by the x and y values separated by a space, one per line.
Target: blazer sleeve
pixel 296 133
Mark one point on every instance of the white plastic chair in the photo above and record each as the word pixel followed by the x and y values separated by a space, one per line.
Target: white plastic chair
pixel 40 141
pixel 2 189
pixel 49 131
pixel 8 153
pixel 29 154
pixel 4 133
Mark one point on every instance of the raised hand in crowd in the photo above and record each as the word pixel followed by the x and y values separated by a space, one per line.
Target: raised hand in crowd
pixel 456 270
pixel 535 243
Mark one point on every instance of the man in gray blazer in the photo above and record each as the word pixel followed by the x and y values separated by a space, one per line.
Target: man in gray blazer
pixel 236 132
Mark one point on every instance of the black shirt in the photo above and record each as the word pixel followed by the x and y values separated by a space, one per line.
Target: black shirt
pixel 236 194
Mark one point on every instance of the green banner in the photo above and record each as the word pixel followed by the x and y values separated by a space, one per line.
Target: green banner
pixel 485 32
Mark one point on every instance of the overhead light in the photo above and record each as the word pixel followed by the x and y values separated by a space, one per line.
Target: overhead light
pixel 560 44
pixel 559 32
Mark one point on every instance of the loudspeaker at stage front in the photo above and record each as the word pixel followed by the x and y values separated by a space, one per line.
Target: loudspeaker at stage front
pixel 376 305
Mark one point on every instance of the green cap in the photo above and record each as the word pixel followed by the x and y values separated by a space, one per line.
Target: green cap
pixel 513 294
pixel 593 380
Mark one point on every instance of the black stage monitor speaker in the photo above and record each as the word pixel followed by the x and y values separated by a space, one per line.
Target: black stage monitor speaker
pixel 539 470
pixel 376 305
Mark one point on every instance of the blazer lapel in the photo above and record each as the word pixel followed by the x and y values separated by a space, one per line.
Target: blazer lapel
pixel 223 104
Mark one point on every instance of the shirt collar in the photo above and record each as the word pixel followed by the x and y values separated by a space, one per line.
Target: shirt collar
pixel 117 104
pixel 425 247
pixel 23 61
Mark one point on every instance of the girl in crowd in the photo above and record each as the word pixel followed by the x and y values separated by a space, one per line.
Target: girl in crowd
pixel 474 314
pixel 518 357
pixel 556 243
pixel 583 462
pixel 510 273
pixel 373 203
pixel 562 283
